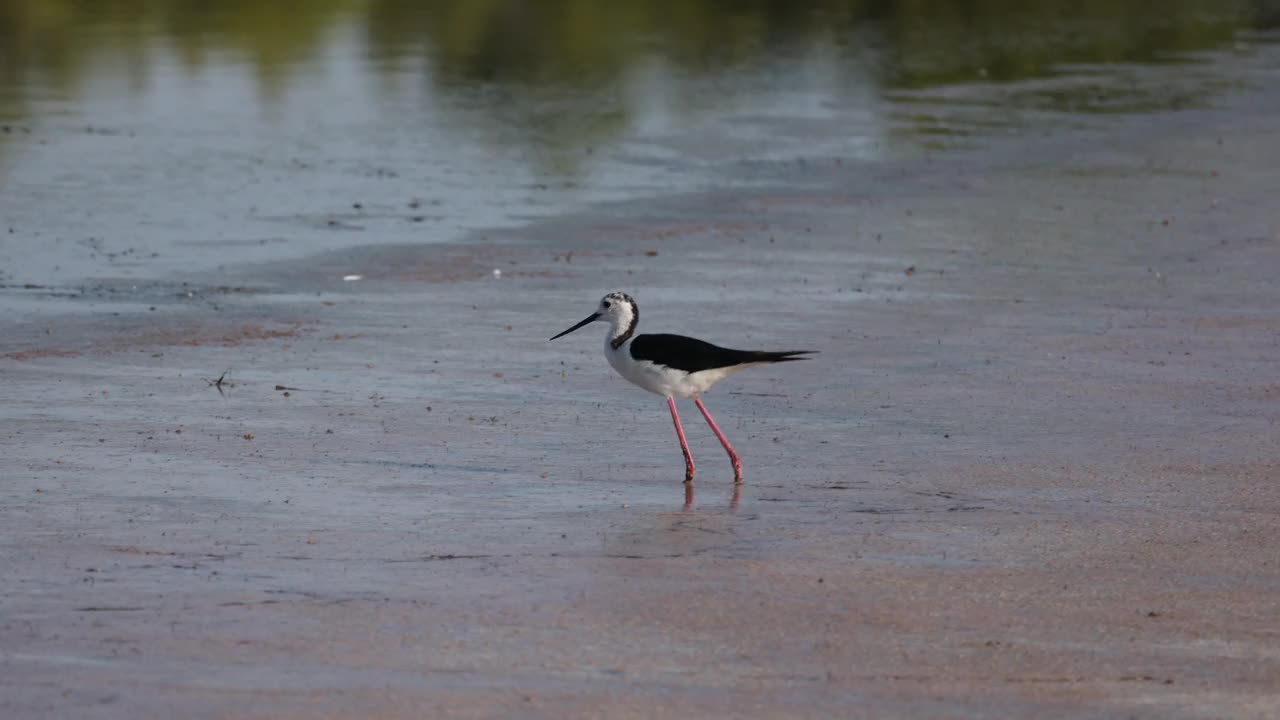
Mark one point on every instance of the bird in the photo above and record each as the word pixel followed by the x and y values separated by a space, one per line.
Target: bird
pixel 674 365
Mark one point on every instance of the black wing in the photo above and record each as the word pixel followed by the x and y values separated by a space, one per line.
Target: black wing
pixel 693 355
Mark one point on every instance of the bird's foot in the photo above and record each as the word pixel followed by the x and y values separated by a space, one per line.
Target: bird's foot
pixel 688 474
pixel 737 473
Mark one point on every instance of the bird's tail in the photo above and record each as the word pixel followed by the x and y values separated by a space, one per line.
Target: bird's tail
pixel 775 357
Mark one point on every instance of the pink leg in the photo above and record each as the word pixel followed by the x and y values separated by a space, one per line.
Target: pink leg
pixel 684 444
pixel 733 456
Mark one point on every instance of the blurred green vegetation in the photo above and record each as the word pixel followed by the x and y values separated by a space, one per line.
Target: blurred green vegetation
pixel 923 42
pixel 56 42
pixel 588 45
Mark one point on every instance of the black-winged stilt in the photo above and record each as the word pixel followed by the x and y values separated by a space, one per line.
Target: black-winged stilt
pixel 673 365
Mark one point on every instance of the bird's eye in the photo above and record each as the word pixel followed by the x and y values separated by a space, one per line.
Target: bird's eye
pixel 606 304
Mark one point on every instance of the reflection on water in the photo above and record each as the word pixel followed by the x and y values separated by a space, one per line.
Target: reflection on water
pixel 545 59
pixel 266 125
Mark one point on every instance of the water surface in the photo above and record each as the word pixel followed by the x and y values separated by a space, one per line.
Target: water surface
pixel 143 139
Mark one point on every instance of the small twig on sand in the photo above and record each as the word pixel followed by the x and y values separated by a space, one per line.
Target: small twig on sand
pixel 221 381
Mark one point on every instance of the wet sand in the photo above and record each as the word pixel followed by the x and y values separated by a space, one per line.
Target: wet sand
pixel 1031 473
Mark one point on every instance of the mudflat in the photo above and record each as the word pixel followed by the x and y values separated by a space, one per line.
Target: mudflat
pixel 1031 473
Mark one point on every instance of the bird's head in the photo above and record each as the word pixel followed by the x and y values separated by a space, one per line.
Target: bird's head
pixel 617 308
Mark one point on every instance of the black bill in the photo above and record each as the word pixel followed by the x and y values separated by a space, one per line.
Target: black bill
pixel 592 318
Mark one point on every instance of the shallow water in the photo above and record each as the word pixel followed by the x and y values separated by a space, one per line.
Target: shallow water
pixel 146 139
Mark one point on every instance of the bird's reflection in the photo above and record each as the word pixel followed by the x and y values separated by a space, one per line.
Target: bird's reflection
pixel 734 500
